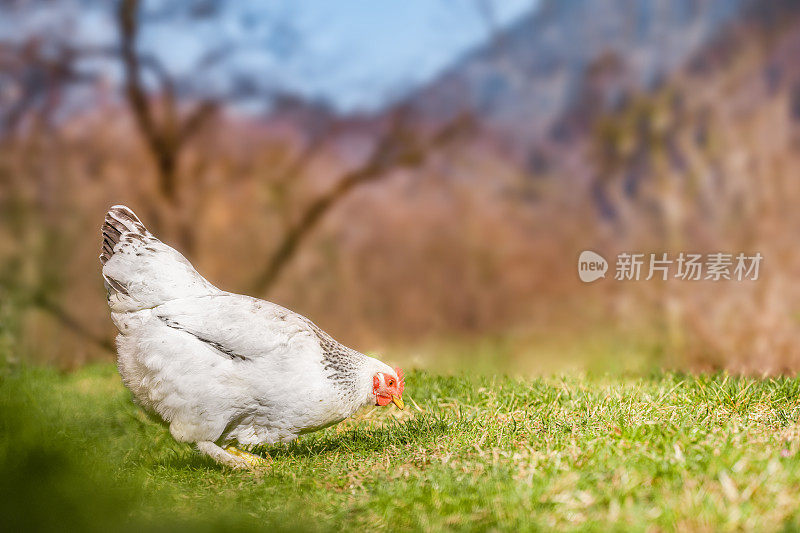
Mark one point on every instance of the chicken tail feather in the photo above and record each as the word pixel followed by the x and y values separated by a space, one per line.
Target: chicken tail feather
pixel 139 270
pixel 120 223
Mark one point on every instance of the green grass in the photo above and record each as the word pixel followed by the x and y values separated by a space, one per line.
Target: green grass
pixel 594 453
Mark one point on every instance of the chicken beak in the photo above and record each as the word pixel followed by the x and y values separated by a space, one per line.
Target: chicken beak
pixel 398 401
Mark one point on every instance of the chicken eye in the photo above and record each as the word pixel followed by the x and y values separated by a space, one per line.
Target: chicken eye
pixel 391 383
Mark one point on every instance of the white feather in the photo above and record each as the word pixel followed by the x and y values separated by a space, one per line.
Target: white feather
pixel 217 366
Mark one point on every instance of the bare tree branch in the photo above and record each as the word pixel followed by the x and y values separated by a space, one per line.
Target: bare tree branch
pixel 398 149
pixel 134 89
pixel 165 135
pixel 37 78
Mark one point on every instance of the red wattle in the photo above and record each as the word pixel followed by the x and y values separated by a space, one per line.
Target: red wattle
pixel 382 400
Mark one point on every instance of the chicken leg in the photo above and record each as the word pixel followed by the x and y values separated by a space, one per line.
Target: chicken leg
pixel 231 456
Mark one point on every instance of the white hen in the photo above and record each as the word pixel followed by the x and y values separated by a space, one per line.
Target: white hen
pixel 222 368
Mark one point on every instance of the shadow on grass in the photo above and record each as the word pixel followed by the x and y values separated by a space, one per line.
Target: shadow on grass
pixel 422 429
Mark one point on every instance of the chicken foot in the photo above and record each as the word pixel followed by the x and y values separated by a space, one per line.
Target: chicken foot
pixel 231 456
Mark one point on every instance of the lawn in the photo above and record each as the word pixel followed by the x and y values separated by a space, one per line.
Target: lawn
pixel 576 452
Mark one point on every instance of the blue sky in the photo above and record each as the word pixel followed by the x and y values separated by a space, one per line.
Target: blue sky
pixel 380 48
pixel 354 54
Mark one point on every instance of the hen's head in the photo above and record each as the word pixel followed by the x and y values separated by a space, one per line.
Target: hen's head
pixel 388 388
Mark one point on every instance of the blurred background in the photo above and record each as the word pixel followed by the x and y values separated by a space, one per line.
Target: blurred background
pixel 417 177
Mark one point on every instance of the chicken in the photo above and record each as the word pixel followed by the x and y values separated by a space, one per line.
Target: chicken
pixel 223 369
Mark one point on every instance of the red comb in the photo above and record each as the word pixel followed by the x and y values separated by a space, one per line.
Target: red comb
pixel 401 378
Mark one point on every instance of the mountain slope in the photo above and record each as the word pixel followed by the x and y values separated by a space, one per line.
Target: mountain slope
pixel 537 69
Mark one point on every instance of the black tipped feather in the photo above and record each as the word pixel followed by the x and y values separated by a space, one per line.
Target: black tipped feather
pixel 111 232
pixel 120 224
